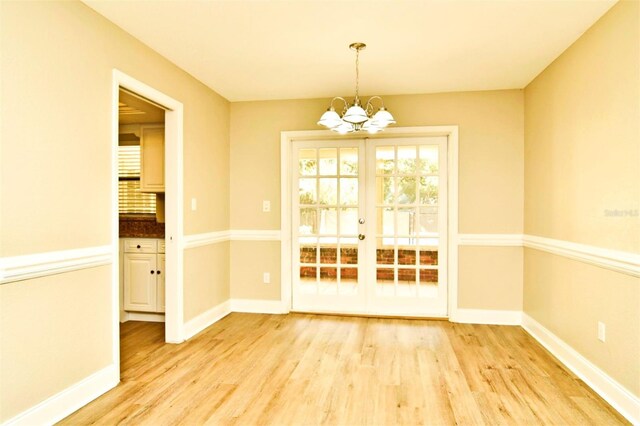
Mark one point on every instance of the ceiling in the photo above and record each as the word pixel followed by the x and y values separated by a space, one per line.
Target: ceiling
pixel 285 49
pixel 135 110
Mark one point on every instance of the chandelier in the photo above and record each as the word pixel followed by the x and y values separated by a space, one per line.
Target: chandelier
pixel 354 117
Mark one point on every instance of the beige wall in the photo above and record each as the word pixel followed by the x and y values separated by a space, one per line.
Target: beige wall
pixel 490 278
pixel 247 282
pixel 55 176
pixel 582 131
pixel 582 151
pixel 207 272
pixel 54 332
pixel 491 198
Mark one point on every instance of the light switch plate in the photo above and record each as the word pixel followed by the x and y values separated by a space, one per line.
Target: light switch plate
pixel 602 331
pixel 194 204
pixel 266 278
pixel 266 206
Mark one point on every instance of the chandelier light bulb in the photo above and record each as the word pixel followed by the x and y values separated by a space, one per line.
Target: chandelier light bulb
pixel 355 115
pixel 330 118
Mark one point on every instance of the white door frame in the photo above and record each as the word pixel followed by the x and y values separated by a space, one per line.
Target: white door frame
pixel 174 231
pixel 286 139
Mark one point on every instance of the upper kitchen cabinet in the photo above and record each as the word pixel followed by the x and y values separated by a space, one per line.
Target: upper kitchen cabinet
pixel 152 159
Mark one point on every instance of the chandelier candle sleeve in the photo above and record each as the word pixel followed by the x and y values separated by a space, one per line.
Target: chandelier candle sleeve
pixel 354 117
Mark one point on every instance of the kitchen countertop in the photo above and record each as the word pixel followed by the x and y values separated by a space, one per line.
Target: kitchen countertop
pixel 140 226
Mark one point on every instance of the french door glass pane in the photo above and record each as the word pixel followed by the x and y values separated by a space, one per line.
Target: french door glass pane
pixel 307 189
pixel 328 161
pixel 385 252
pixel 348 281
pixel 429 190
pixel 428 221
pixel 308 253
pixel 308 163
pixel 349 161
pixel 406 255
pixel 349 221
pixel 349 254
pixel 385 190
pixel 406 190
pixel 328 191
pixel 407 157
pixel 385 160
pixel 349 191
pixel 428 159
pixel 308 222
pixel 328 221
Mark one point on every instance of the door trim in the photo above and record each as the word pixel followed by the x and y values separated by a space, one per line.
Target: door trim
pixel 286 139
pixel 174 230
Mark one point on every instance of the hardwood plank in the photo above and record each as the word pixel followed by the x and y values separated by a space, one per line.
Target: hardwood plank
pixel 294 369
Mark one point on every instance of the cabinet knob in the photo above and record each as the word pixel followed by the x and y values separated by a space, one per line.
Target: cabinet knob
pixel 361 237
pixel 153 272
pixel 158 272
pixel 138 246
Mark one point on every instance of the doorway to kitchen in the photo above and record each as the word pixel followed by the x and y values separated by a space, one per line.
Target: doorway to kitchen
pixel 369 226
pixel 147 215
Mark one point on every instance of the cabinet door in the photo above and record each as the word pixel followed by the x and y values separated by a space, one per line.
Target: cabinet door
pixel 160 274
pixel 152 159
pixel 140 286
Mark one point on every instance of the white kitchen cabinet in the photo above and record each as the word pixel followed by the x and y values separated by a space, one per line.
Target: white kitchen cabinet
pixel 152 159
pixel 140 282
pixel 160 279
pixel 143 277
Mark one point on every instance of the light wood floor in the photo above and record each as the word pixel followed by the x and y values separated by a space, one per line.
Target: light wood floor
pixel 300 369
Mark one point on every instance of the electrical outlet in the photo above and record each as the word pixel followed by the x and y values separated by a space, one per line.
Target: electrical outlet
pixel 602 331
pixel 266 278
pixel 266 206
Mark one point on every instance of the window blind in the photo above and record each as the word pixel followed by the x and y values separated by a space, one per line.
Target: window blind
pixel 130 199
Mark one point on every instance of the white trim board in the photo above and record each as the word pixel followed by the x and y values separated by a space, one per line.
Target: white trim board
pixel 254 235
pixel 205 319
pixel 610 390
pixel 143 316
pixel 286 139
pixel 60 405
pixel 19 268
pixel 615 260
pixel 207 238
pixel 174 214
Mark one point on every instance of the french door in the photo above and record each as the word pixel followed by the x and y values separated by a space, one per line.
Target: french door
pixel 369 226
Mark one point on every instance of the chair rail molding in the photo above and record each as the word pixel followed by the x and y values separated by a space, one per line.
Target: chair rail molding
pixel 19 268
pixel 615 260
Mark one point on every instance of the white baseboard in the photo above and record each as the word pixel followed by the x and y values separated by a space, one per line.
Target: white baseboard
pixel 143 316
pixel 205 319
pixel 610 390
pixel 257 306
pixel 60 405
pixel 485 316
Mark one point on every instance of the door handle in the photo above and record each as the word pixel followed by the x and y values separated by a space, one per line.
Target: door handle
pixel 361 237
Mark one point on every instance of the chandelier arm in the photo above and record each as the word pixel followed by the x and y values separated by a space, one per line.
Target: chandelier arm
pixel 375 97
pixel 346 104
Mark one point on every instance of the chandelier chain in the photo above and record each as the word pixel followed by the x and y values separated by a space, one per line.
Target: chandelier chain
pixel 357 73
